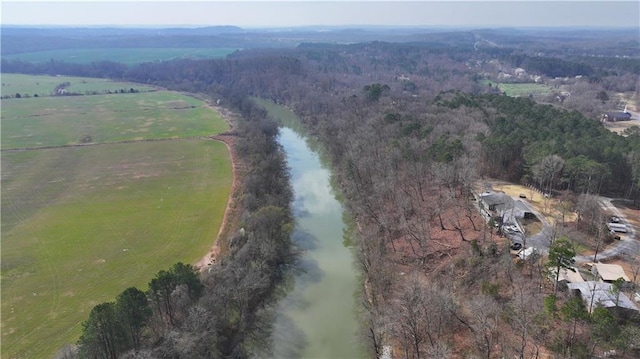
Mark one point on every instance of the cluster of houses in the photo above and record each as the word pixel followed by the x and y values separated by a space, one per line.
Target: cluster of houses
pixel 602 291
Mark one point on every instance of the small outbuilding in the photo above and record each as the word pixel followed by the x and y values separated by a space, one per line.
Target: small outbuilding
pixel 616 116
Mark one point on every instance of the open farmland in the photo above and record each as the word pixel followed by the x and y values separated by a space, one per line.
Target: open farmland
pixel 69 120
pixel 129 56
pixel 82 223
pixel 27 85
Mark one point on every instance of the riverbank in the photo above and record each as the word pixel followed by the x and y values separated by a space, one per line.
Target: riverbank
pixel 232 211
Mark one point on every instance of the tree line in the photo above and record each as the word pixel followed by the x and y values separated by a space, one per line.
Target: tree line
pixel 527 138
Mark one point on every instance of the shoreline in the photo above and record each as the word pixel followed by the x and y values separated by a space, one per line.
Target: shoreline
pixel 228 138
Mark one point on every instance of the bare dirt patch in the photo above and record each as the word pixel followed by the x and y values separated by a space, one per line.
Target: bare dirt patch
pixel 629 211
pixel 231 213
pixel 549 207
pixel 620 126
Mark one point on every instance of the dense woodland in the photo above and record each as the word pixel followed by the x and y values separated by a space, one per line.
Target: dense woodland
pixel 409 128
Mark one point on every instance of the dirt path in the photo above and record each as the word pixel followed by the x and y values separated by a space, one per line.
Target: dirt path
pixel 232 210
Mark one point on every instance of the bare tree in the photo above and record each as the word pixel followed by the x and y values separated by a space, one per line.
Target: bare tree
pixel 589 212
pixel 601 232
pixel 411 322
pixel 485 317
pixel 546 171
pixel 526 307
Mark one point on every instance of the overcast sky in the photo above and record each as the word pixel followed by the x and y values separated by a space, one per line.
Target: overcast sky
pixel 297 13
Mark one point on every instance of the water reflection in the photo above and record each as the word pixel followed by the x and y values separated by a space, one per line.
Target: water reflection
pixel 316 319
pixel 289 341
pixel 304 240
pixel 299 211
pixel 311 186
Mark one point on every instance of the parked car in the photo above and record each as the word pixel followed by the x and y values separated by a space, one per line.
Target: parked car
pixel 522 195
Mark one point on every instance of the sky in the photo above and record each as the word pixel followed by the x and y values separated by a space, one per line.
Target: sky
pixel 253 14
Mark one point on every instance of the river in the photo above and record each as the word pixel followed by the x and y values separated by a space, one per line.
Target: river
pixel 317 318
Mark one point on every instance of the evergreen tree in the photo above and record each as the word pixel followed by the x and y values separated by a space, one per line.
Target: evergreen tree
pixel 102 334
pixel 134 312
pixel 561 256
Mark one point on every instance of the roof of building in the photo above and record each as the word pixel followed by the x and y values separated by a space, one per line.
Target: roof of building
pixel 492 198
pixel 610 272
pixel 569 276
pixel 618 114
pixel 597 294
pixel 527 252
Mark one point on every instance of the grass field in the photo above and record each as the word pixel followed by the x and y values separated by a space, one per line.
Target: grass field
pixel 55 121
pixel 124 55
pixel 45 85
pixel 81 224
pixel 523 90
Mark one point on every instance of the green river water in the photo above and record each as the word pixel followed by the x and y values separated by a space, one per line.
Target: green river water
pixel 317 318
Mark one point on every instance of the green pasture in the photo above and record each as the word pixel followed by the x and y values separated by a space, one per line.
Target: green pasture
pixel 523 89
pixel 29 85
pixel 81 224
pixel 68 120
pixel 123 55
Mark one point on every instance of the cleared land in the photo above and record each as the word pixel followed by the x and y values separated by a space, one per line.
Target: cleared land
pixel 69 120
pixel 124 55
pixel 46 85
pixel 523 89
pixel 81 224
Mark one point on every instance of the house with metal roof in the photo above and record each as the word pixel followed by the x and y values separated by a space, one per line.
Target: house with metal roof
pixel 616 116
pixel 608 272
pixel 599 294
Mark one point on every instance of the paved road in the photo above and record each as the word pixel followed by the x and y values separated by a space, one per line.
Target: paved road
pixel 634 115
pixel 541 240
pixel 628 243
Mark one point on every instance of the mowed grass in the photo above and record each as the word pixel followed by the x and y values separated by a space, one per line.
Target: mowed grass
pixel 523 89
pixel 45 85
pixel 123 55
pixel 68 120
pixel 81 224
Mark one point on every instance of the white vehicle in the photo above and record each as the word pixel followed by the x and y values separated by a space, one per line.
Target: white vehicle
pixel 524 254
pixel 617 227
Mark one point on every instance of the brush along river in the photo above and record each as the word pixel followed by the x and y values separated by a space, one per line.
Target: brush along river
pixel 317 318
